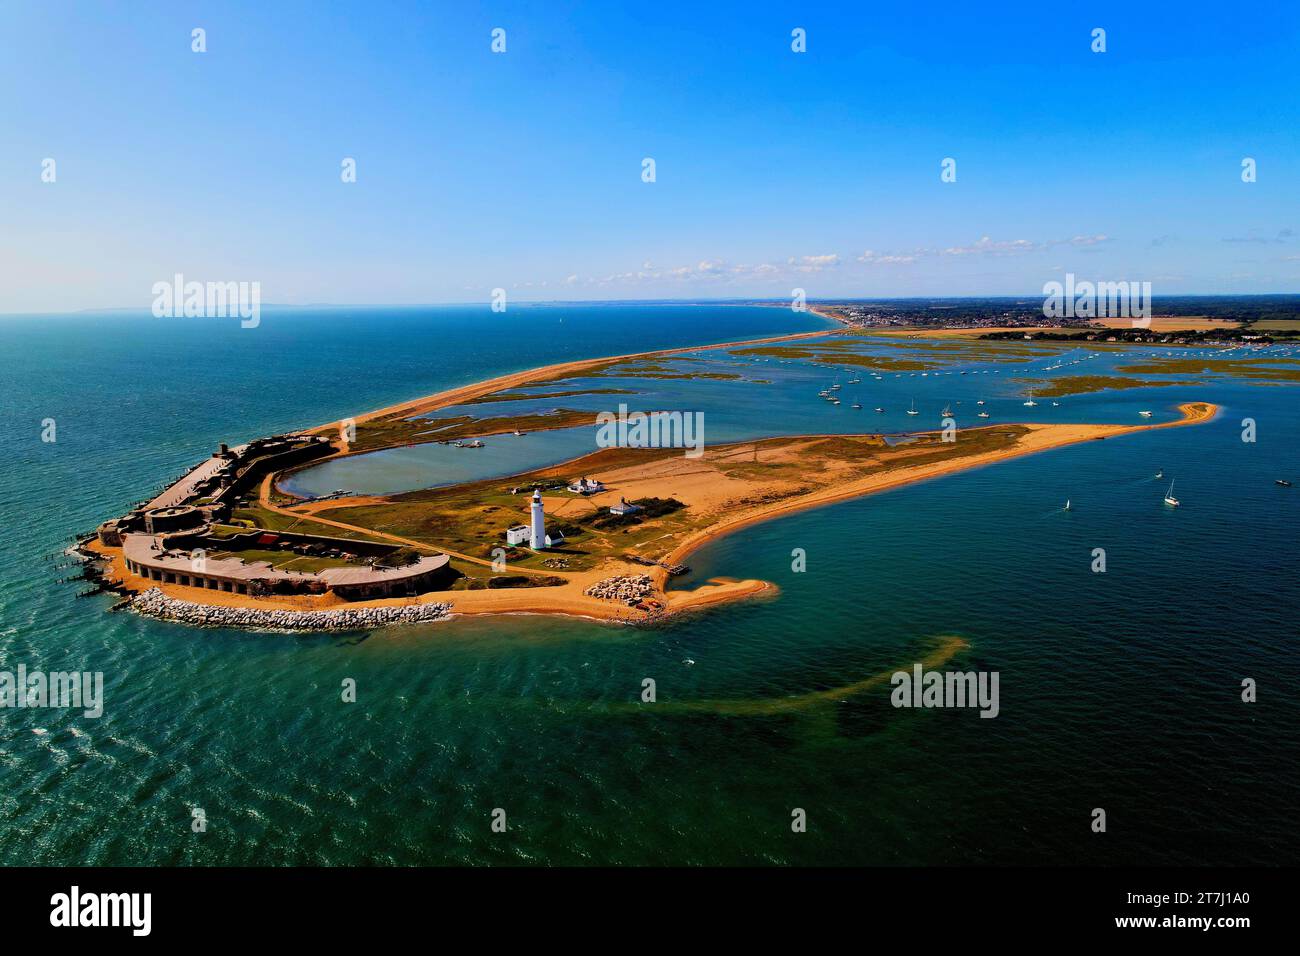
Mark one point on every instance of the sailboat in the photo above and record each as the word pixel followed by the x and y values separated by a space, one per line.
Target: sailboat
pixel 1169 496
pixel 912 410
pixel 947 411
pixel 1067 504
pixel 1031 403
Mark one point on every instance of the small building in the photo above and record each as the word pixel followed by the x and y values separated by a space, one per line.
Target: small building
pixel 517 535
pixel 624 507
pixel 587 486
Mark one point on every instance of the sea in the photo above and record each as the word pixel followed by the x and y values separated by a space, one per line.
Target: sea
pixel 1120 690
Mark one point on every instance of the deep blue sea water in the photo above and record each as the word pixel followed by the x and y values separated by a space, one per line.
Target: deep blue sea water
pixel 1118 690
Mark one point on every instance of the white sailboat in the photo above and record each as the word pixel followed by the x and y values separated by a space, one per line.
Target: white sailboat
pixel 1067 504
pixel 1169 496
pixel 912 410
pixel 1030 403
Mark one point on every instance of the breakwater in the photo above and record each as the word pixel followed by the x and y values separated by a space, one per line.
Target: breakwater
pixel 153 603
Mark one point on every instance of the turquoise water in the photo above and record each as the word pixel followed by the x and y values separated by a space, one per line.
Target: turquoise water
pixel 1118 690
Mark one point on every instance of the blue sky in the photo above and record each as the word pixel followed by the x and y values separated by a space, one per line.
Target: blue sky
pixel 523 170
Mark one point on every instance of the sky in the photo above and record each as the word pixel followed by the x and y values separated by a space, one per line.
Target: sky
pixel 523 170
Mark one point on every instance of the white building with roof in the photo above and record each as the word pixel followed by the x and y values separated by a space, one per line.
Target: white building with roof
pixel 587 486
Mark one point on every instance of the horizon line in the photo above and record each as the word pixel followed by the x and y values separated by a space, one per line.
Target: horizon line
pixel 736 300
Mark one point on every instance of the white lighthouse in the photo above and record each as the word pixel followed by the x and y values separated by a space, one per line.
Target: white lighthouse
pixel 538 537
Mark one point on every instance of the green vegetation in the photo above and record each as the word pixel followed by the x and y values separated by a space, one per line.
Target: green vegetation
pixel 525 581
pixel 401 557
pixel 651 508
pixel 834 353
pixel 284 560
pixel 543 396
pixel 647 368
pixel 389 433
pixel 1083 384
pixel 1266 370
pixel 1291 326
pixel 274 521
pixel 472 518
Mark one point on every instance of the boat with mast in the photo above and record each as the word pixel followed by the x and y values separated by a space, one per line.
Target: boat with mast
pixel 1169 496
pixel 912 410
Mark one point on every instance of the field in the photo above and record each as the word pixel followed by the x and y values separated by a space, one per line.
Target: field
pixel 1276 325
pixel 1172 323
pixel 681 495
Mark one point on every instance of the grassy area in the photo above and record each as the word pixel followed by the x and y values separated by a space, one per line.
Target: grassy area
pixel 274 521
pixel 569 393
pixel 285 560
pixel 1259 370
pixel 1083 384
pixel 387 433
pixel 472 518
pixel 835 354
